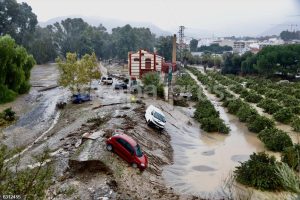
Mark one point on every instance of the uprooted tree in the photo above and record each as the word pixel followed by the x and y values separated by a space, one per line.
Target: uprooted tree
pixel 76 73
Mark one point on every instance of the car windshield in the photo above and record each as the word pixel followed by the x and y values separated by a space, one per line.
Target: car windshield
pixel 159 116
pixel 138 151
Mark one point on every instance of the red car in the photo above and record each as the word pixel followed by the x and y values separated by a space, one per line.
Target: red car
pixel 128 149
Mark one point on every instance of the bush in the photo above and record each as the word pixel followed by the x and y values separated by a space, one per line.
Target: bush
pixel 274 139
pixel 284 115
pixel 253 97
pixel 244 93
pixel 291 156
pixel 259 172
pixel 259 123
pixel 246 113
pixel 237 88
pixel 290 101
pixel 24 88
pixel 234 105
pixel 9 114
pixel 30 183
pixel 205 109
pixel 6 95
pixel 269 105
pixel 208 117
pixel 295 110
pixel 160 90
pixel 181 102
pixel 213 124
pixel 273 94
pixel 296 124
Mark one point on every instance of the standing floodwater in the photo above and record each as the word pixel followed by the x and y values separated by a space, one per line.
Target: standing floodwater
pixel 202 161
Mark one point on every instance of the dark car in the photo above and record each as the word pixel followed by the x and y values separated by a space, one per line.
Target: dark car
pixel 79 98
pixel 121 85
pixel 128 149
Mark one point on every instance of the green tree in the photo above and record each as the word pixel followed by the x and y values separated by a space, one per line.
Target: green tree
pixel 164 47
pixel 90 65
pixel 153 84
pixel 193 45
pixel 17 20
pixel 259 171
pixel 43 46
pixel 15 67
pixel 75 73
pixel 287 35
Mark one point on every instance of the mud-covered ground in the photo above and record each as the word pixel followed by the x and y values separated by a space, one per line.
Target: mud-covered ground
pixel 183 159
pixel 83 169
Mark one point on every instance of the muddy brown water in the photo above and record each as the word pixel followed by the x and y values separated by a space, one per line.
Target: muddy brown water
pixel 202 161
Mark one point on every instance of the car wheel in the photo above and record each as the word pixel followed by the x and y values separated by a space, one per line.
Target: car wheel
pixel 109 147
pixel 149 122
pixel 134 165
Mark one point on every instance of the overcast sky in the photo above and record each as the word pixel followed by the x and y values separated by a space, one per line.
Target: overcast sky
pixel 222 17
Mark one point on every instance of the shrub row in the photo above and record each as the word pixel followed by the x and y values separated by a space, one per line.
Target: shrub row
pixel 273 138
pixel 205 113
pixel 209 118
pixel 283 107
pixel 259 172
pixel 269 105
pixel 187 84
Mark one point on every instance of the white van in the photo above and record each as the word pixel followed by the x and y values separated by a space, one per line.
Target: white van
pixel 155 116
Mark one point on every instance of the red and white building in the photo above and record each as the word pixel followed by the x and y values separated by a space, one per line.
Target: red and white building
pixel 142 62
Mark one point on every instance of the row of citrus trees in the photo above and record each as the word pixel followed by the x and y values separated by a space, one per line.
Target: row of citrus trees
pixel 205 113
pixel 283 107
pixel 260 171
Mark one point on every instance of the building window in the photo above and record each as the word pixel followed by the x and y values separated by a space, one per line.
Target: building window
pixel 136 59
pixel 148 63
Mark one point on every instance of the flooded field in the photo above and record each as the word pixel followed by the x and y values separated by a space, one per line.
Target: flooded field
pixel 202 161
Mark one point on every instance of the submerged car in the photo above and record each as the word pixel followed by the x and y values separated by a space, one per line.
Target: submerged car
pixel 120 85
pixel 80 98
pixel 128 149
pixel 155 116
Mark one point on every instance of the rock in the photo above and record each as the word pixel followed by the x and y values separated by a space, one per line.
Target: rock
pixel 78 143
pixel 112 184
pixel 93 136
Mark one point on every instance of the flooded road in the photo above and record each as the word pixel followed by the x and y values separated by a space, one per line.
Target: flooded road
pixel 37 109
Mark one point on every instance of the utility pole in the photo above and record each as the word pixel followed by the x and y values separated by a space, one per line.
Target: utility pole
pixel 181 42
pixel 293 25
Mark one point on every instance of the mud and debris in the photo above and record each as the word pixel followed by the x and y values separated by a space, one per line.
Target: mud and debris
pixel 184 161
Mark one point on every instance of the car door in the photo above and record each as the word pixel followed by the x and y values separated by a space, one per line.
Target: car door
pixel 123 150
